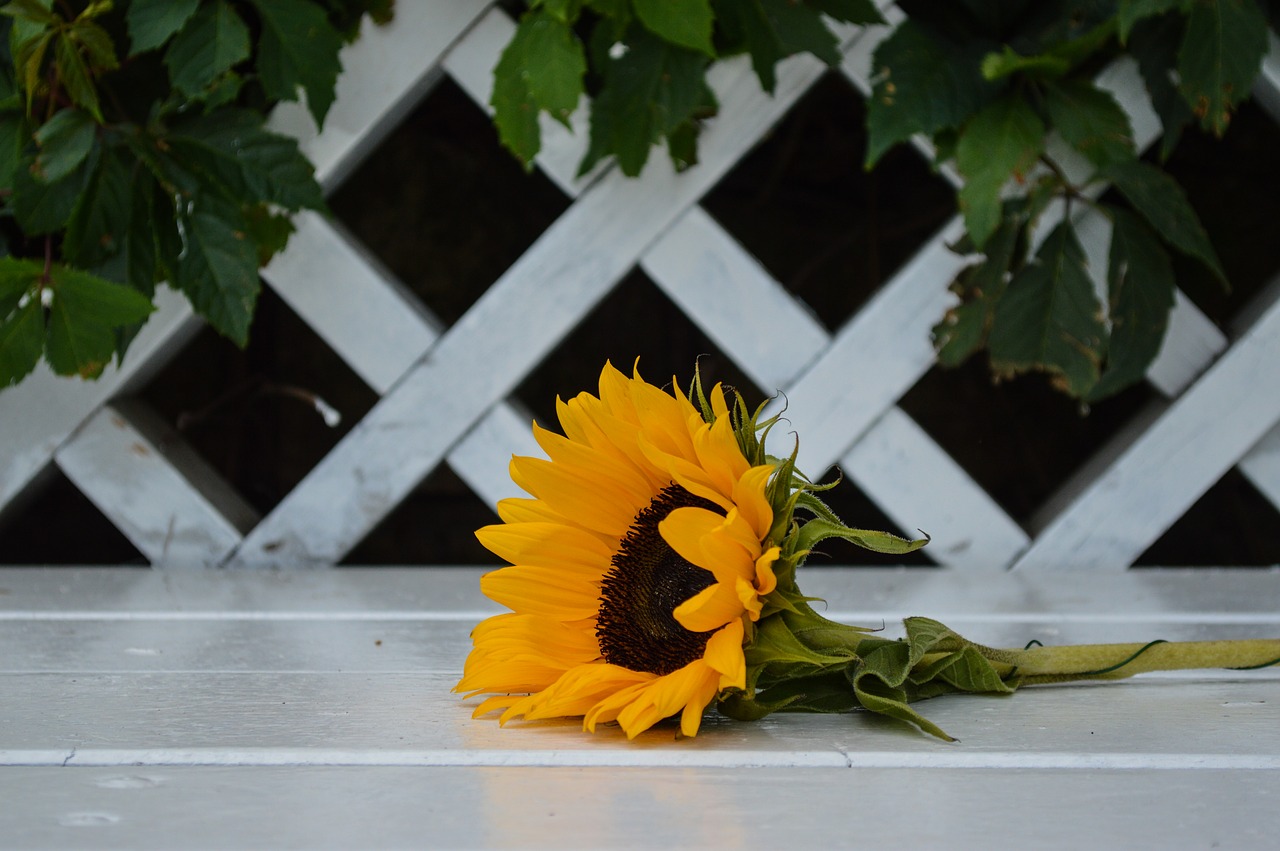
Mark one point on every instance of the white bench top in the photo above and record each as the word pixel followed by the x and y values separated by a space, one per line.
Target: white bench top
pixel 143 709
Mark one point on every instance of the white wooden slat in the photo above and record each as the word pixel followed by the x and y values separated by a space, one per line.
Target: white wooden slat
pixel 875 357
pixel 354 305
pixel 1116 517
pixel 1262 466
pixel 920 487
pixel 1267 87
pixel 519 319
pixel 407 807
pixel 154 488
pixel 385 72
pixel 482 458
pixel 38 415
pixel 734 300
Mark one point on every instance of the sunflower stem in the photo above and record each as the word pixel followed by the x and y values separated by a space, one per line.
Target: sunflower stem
pixel 1117 661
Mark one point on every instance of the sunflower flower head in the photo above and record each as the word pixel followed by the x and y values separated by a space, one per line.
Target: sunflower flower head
pixel 652 565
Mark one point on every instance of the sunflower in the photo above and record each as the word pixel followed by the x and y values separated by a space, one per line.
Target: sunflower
pixel 639 563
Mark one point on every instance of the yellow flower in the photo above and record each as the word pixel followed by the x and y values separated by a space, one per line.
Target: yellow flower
pixel 636 566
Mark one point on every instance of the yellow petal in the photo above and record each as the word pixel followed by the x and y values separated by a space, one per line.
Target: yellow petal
pixel 541 591
pixel 711 608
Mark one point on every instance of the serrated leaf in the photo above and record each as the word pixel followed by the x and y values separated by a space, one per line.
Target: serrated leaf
pixel 1140 284
pixel 95 229
pixel 74 75
pixel 36 11
pixel 13 138
pixel 64 142
pixel 97 44
pixel 232 154
pixel 964 329
pixel 1220 57
pixel 1049 318
pixel 83 317
pixel 270 232
pixel 21 342
pixel 218 267
pixel 551 63
pixel 1132 11
pixel 42 208
pixel 1154 44
pixel 1164 205
pixel 152 22
pixel 800 29
pixel 687 24
pixel 28 60
pixel 17 281
pixel 744 26
pixel 213 40
pixel 648 92
pixel 923 83
pixel 1001 143
pixel 298 48
pixel 1090 120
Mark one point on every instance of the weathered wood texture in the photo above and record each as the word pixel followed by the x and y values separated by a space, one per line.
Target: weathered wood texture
pixel 444 402
pixel 147 709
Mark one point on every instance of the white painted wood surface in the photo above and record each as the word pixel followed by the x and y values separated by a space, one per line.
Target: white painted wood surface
pixel 145 709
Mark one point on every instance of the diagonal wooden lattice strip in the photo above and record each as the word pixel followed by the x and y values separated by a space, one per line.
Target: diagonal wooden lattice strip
pixel 1233 406
pixel 516 322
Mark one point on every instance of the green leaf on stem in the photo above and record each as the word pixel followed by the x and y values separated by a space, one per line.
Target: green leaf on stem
pixel 64 142
pixel 75 77
pixel 1049 318
pixel 153 22
pixel 42 208
pixel 1132 11
pixel 298 49
pixel 923 83
pixel 1154 44
pixel 21 341
pixel 799 28
pixel 541 68
pixel 964 328
pixel 648 92
pixel 1164 205
pixel 1220 57
pixel 218 266
pixel 1090 120
pixel 83 317
pixel 687 24
pixel 1140 284
pixel 1000 143
pixel 213 40
pixel 819 529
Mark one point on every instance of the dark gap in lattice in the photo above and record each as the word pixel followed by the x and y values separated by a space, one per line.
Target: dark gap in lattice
pixel 1231 183
pixel 1019 439
pixel 443 205
pixel 435 524
pixel 1232 524
pixel 828 230
pixel 235 407
pixel 857 510
pixel 636 320
pixel 57 524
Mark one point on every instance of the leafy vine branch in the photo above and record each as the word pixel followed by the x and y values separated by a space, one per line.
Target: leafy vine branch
pixel 1006 91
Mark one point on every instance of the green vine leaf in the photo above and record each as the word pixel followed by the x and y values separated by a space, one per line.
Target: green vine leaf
pixel 1140 285
pixel 95 229
pixel 41 208
pixel 218 266
pixel 1049 318
pixel 1001 143
pixel 687 24
pixel 153 22
pixel 649 91
pixel 1132 11
pixel 541 69
pixel 75 77
pixel 1164 205
pixel 298 49
pixel 64 142
pixel 924 83
pixel 211 42
pixel 1090 120
pixel 21 340
pixel 1220 57
pixel 83 317
pixel 1154 44
pixel 799 29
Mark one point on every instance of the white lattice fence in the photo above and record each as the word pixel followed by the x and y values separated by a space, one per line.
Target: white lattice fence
pixel 445 393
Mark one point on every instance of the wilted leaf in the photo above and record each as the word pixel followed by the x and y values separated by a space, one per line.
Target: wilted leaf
pixel 1049 318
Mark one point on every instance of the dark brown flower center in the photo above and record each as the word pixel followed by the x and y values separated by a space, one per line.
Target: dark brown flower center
pixel 638 595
